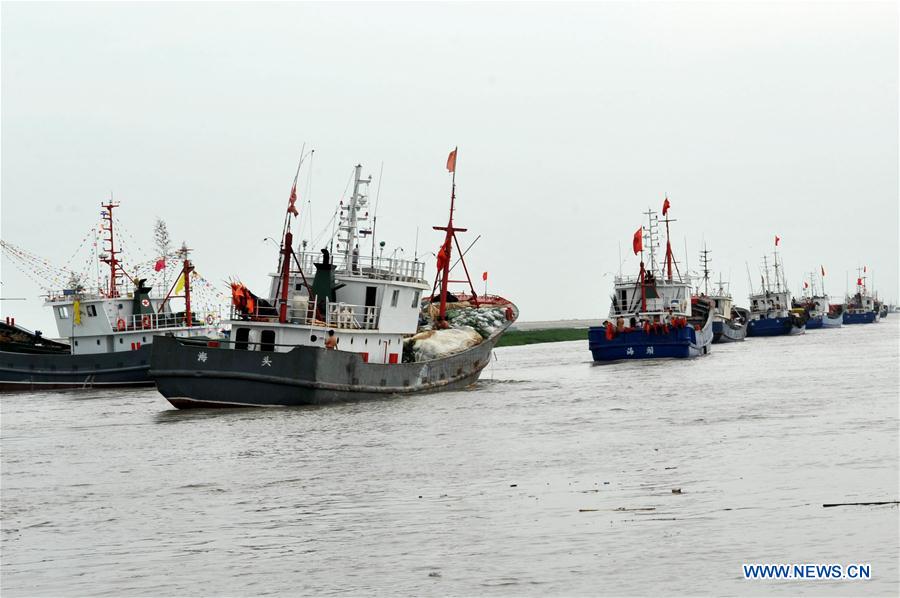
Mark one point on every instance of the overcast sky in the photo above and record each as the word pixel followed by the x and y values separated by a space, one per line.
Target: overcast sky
pixel 757 119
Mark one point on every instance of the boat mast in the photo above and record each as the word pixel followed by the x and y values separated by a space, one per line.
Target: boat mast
pixel 110 257
pixel 704 259
pixel 669 256
pixel 186 269
pixel 350 223
pixel 652 237
pixel 777 272
pixel 766 270
pixel 446 250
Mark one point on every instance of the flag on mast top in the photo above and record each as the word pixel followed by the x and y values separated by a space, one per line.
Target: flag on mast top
pixel 451 161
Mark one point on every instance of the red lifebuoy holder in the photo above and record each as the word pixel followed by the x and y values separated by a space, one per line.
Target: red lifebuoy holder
pixel 145 321
pixel 120 324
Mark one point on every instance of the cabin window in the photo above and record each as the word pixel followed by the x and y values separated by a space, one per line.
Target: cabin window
pixel 313 338
pixel 241 338
pixel 63 312
pixel 121 342
pixel 395 298
pixel 415 301
pixel 91 310
pixel 98 342
pixel 76 343
pixel 267 340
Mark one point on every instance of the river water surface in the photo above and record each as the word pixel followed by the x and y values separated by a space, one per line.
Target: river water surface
pixel 550 476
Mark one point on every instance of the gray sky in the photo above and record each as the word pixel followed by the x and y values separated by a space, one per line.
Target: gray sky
pixel 756 118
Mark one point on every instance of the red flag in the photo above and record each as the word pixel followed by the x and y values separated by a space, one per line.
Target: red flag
pixel 160 264
pixel 777 238
pixel 451 161
pixel 823 270
pixel 637 244
pixel 292 209
pixel 805 285
pixel 666 205
pixel 484 277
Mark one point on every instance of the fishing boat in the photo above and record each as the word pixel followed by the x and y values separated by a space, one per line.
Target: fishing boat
pixel 771 312
pixel 109 329
pixel 730 321
pixel 816 304
pixel 654 314
pixel 860 307
pixel 341 326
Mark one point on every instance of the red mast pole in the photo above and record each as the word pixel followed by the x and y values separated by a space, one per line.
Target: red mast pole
pixel 446 250
pixel 286 252
pixel 643 286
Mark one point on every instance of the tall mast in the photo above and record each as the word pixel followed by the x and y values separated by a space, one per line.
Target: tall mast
pixel 350 224
pixel 446 250
pixel 669 256
pixel 777 272
pixel 766 270
pixel 110 256
pixel 704 259
pixel 652 237
pixel 186 268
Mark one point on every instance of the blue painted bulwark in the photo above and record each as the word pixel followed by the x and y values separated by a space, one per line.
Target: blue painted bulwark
pixel 637 344
pixel 774 326
pixel 866 317
pixel 814 322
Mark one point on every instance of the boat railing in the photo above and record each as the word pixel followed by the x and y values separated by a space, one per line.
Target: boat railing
pixel 367 266
pixel 156 321
pixel 335 314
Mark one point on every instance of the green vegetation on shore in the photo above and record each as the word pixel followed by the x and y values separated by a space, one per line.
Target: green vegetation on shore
pixel 551 335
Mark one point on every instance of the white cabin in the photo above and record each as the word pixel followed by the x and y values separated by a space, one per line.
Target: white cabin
pixel 109 325
pixel 376 304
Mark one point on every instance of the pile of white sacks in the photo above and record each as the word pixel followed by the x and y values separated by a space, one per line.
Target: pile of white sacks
pixel 468 327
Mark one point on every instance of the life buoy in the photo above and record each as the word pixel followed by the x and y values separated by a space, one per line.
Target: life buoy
pixel 145 321
pixel 120 324
pixel 210 319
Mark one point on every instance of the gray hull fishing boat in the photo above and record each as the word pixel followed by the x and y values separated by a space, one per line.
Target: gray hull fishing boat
pixel 363 329
pixel 109 328
pixel 730 323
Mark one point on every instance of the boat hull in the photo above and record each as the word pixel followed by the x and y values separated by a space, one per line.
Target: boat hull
pixel 190 375
pixel 832 321
pixel 677 343
pixel 859 318
pixel 814 322
pixel 29 371
pixel 774 327
pixel 728 332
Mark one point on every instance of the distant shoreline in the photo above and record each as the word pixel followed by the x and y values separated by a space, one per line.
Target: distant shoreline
pixel 514 337
pixel 555 324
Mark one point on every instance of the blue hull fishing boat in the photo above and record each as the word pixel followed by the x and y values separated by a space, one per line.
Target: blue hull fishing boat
pixel 863 317
pixel 861 307
pixel 815 303
pixel 770 309
pixel 653 315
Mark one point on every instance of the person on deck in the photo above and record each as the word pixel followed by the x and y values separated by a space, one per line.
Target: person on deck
pixel 331 340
